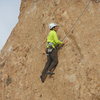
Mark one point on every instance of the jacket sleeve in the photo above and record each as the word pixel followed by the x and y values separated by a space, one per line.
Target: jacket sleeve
pixel 56 39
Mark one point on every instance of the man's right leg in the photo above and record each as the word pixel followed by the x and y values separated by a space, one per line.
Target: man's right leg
pixel 54 57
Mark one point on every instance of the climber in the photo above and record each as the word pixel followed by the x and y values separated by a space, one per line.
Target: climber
pixel 51 50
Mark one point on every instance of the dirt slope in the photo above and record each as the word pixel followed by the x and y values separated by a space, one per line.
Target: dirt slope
pixel 22 58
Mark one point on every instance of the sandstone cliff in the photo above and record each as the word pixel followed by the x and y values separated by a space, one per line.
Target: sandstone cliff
pixel 22 58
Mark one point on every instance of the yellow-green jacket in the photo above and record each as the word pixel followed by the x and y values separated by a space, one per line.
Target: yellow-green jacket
pixel 53 38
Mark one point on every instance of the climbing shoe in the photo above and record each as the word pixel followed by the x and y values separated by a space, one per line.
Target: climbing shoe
pixel 50 73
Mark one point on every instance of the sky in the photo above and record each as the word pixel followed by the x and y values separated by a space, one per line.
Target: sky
pixel 9 12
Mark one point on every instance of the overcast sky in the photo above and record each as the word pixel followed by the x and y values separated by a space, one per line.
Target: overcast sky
pixel 9 12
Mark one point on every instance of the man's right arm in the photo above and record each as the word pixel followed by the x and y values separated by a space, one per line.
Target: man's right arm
pixel 56 39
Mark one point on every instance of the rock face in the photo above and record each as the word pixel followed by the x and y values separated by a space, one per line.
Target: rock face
pixel 77 76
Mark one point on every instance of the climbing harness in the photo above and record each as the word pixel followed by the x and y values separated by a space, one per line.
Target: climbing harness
pixel 50 45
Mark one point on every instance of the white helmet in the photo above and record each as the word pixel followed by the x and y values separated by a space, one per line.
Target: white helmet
pixel 51 25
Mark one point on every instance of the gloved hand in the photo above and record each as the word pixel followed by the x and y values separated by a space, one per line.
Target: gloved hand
pixel 60 46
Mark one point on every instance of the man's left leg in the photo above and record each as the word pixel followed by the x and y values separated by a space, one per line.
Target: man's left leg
pixel 43 76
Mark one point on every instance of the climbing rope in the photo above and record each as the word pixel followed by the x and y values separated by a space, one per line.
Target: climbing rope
pixel 73 26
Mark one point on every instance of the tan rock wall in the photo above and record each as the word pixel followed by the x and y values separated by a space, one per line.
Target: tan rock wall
pixel 78 72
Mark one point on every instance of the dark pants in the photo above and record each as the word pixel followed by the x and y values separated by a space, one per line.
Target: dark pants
pixel 52 61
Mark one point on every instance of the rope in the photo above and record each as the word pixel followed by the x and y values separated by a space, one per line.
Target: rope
pixel 73 26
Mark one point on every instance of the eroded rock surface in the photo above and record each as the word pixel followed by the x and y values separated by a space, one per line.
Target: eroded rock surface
pixel 22 59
